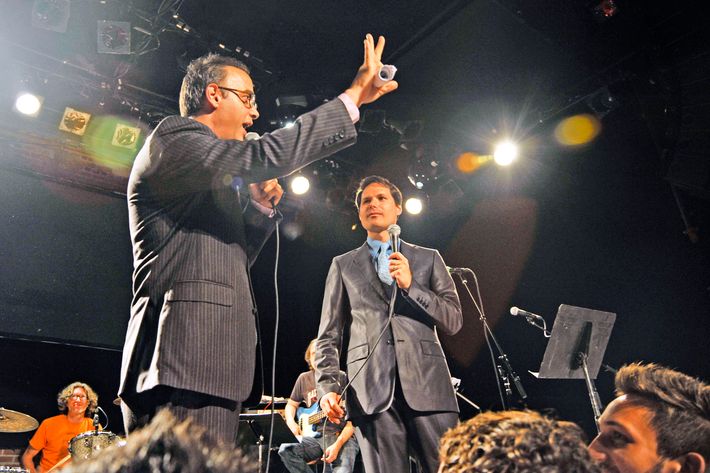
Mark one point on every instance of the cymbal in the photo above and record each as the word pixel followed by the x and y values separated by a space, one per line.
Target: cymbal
pixel 13 421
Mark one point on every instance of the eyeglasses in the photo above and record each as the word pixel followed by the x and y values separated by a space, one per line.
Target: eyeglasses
pixel 77 396
pixel 249 101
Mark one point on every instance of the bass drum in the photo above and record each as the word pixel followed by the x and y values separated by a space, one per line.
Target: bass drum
pixel 88 444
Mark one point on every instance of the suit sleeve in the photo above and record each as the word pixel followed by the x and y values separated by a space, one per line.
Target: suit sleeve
pixel 190 158
pixel 440 301
pixel 334 313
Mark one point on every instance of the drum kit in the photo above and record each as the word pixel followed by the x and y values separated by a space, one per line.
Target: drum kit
pixel 81 447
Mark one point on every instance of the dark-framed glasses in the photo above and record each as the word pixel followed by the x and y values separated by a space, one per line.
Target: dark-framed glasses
pixel 248 98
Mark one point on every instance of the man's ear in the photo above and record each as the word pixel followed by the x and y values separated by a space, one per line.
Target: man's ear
pixel 692 462
pixel 212 96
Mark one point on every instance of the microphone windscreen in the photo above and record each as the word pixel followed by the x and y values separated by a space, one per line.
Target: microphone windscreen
pixel 251 136
pixel 394 230
pixel 513 310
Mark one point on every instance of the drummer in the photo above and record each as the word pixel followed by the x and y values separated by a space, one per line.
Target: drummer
pixel 77 402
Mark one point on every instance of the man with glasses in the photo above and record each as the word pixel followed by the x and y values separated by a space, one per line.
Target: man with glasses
pixel 200 202
pixel 77 403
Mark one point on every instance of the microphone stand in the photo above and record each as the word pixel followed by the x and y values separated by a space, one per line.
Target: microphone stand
pixel 503 369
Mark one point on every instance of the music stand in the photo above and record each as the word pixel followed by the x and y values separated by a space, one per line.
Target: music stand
pixel 254 431
pixel 576 348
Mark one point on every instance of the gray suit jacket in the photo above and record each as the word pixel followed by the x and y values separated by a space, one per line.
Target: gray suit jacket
pixel 192 322
pixel 356 302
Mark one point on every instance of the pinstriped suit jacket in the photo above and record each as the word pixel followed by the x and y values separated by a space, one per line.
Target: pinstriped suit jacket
pixel 409 350
pixel 192 320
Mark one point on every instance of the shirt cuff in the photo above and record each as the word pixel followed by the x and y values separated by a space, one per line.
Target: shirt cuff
pixel 350 106
pixel 269 212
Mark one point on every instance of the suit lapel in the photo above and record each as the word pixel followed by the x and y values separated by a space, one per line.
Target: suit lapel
pixel 363 261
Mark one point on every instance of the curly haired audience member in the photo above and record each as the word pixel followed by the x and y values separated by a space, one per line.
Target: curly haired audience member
pixel 659 423
pixel 514 442
pixel 167 445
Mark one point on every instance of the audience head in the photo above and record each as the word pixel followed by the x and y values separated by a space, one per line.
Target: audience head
pixel 514 442
pixel 660 422
pixel 167 446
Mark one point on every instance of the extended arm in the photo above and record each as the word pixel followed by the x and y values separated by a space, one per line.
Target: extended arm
pixel 333 315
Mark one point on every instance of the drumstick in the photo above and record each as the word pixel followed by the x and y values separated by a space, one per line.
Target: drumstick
pixel 60 462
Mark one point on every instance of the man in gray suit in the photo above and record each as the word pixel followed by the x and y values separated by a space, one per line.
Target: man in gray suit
pixel 401 399
pixel 200 202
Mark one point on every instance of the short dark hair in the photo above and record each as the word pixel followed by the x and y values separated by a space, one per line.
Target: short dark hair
pixel 679 405
pixel 167 445
pixel 515 442
pixel 67 391
pixel 200 73
pixel 394 190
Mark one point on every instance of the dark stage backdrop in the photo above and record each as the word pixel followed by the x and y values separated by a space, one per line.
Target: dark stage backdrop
pixel 65 262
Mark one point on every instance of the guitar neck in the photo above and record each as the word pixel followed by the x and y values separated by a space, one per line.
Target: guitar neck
pixel 320 415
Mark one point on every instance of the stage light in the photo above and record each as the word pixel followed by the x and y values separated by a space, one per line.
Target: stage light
pixel 505 153
pixel 74 121
pixel 469 162
pixel 425 168
pixel 577 130
pixel 28 104
pixel 125 136
pixel 300 184
pixel 52 15
pixel 414 205
pixel 113 37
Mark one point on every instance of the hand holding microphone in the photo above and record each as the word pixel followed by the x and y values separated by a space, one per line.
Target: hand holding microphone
pixel 373 79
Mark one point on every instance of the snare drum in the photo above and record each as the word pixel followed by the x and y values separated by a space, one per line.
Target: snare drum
pixel 89 443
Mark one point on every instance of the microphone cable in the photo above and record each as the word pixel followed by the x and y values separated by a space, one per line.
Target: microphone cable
pixel 277 216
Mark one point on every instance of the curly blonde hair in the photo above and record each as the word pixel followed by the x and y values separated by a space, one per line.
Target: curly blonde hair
pixel 67 391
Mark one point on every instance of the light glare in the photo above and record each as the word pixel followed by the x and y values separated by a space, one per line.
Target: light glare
pixel 505 153
pixel 414 205
pixel 28 104
pixel 300 185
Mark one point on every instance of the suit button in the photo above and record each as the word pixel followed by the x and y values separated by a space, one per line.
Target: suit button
pixel 342 134
pixel 389 342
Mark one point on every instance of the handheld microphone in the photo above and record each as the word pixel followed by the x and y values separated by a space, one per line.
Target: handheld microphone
pixel 394 232
pixel 96 420
pixel 524 313
pixel 385 74
pixel 251 136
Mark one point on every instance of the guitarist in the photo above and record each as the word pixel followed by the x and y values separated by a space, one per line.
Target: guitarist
pixel 334 444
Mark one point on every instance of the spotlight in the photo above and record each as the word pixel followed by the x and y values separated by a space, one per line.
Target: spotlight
pixel 125 136
pixel 424 168
pixel 52 15
pixel 28 104
pixel 113 37
pixel 300 185
pixel 413 205
pixel 74 121
pixel 505 153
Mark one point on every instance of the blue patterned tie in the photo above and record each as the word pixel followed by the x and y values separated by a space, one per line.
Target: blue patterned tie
pixel 383 265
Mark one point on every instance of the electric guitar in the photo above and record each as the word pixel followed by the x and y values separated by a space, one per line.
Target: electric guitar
pixel 310 417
